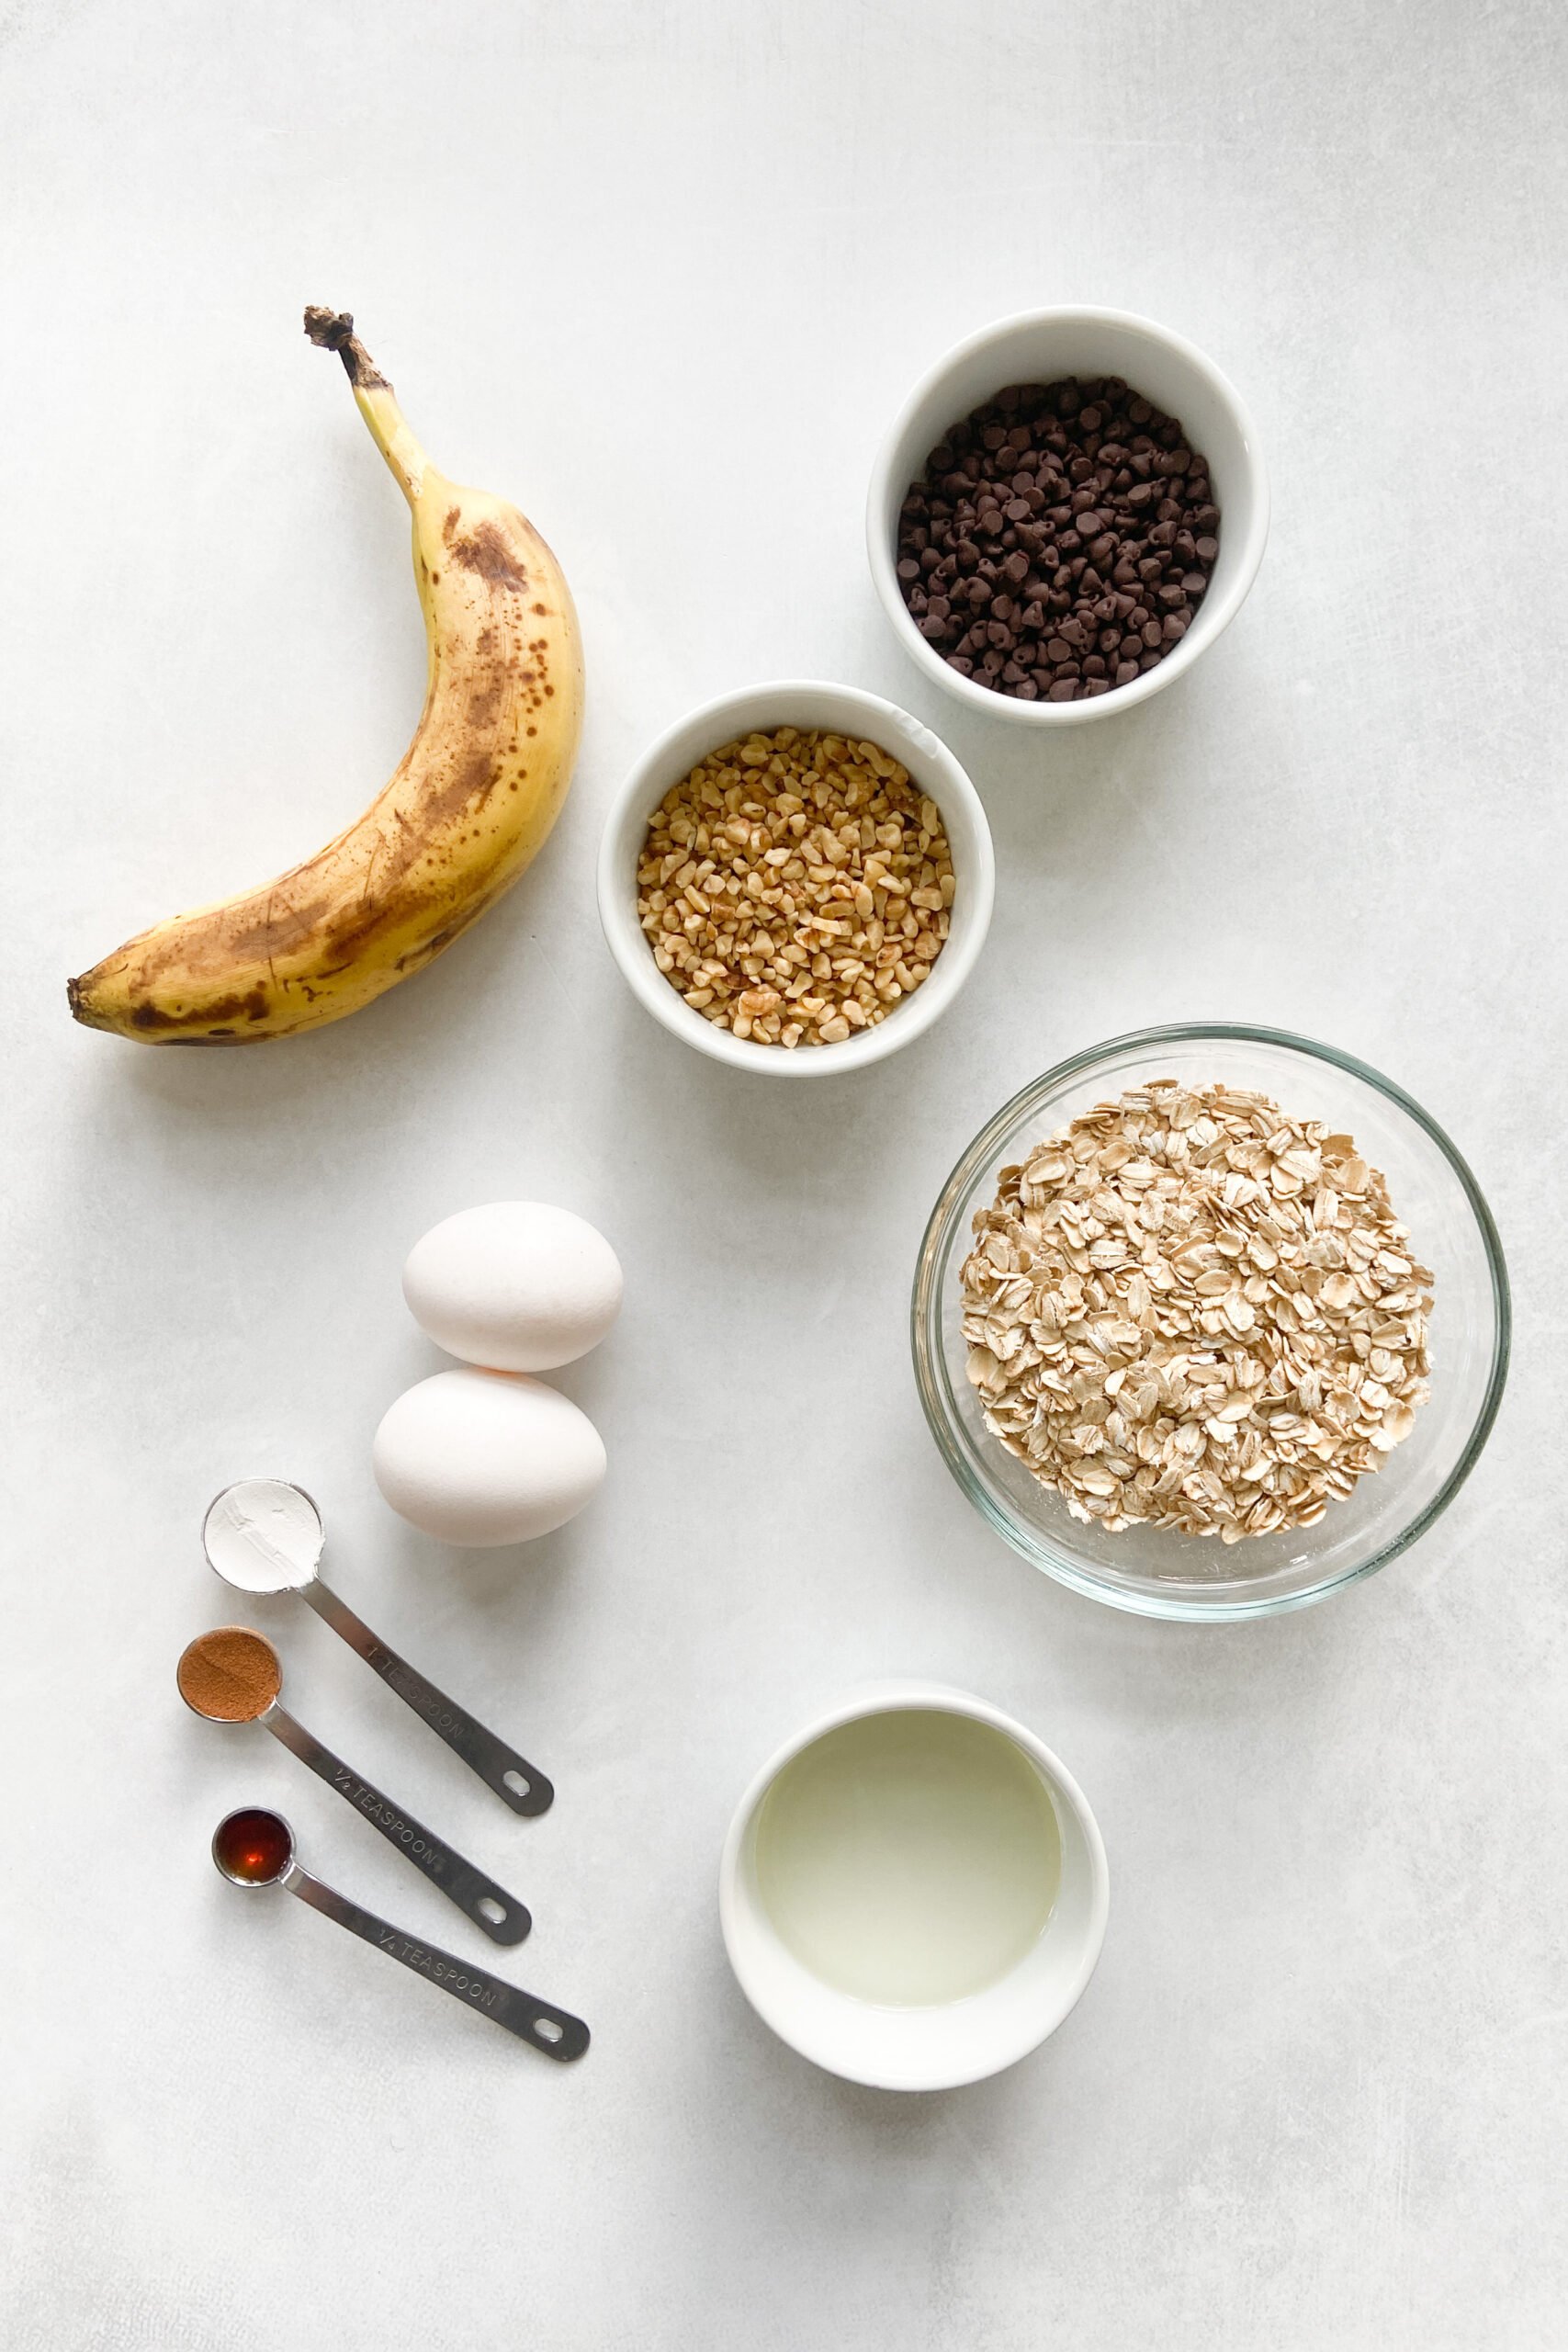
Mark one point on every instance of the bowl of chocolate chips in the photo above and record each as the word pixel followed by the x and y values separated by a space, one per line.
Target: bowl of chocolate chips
pixel 1068 509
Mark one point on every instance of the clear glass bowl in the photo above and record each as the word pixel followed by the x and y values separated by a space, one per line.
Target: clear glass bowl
pixel 1157 1572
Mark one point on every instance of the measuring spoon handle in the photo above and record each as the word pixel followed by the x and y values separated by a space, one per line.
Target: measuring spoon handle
pixel 502 1918
pixel 554 2031
pixel 516 1781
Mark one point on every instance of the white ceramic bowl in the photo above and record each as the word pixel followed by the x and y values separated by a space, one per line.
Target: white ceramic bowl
pixel 1037 348
pixel 842 710
pixel 939 2046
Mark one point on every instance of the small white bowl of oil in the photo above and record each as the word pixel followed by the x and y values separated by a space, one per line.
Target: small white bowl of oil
pixel 914 1891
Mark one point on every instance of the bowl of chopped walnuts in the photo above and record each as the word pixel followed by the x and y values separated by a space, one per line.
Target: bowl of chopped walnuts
pixel 1210 1321
pixel 797 879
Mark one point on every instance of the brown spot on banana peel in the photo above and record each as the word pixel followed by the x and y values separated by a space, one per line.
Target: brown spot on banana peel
pixel 427 950
pixel 254 1005
pixel 487 551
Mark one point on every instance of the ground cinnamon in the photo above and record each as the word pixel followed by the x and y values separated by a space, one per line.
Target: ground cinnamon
pixel 230 1675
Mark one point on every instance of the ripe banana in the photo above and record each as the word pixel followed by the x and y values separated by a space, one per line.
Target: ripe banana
pixel 478 788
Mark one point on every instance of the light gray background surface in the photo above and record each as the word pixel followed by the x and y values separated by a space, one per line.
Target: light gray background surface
pixel 664 273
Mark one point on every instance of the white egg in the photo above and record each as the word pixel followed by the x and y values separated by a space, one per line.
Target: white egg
pixel 486 1457
pixel 518 1286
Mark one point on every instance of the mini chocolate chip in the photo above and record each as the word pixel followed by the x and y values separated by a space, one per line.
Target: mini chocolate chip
pixel 1027 507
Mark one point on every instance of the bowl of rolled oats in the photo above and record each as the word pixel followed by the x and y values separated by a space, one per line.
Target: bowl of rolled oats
pixel 797 879
pixel 1210 1321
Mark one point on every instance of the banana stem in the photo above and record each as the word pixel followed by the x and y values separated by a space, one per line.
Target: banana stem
pixel 334 331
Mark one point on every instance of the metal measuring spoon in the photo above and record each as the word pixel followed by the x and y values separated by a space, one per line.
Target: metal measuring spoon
pixel 255 1847
pixel 264 1536
pixel 232 1675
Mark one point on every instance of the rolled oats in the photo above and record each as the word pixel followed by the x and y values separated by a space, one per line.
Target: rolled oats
pixel 1189 1311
